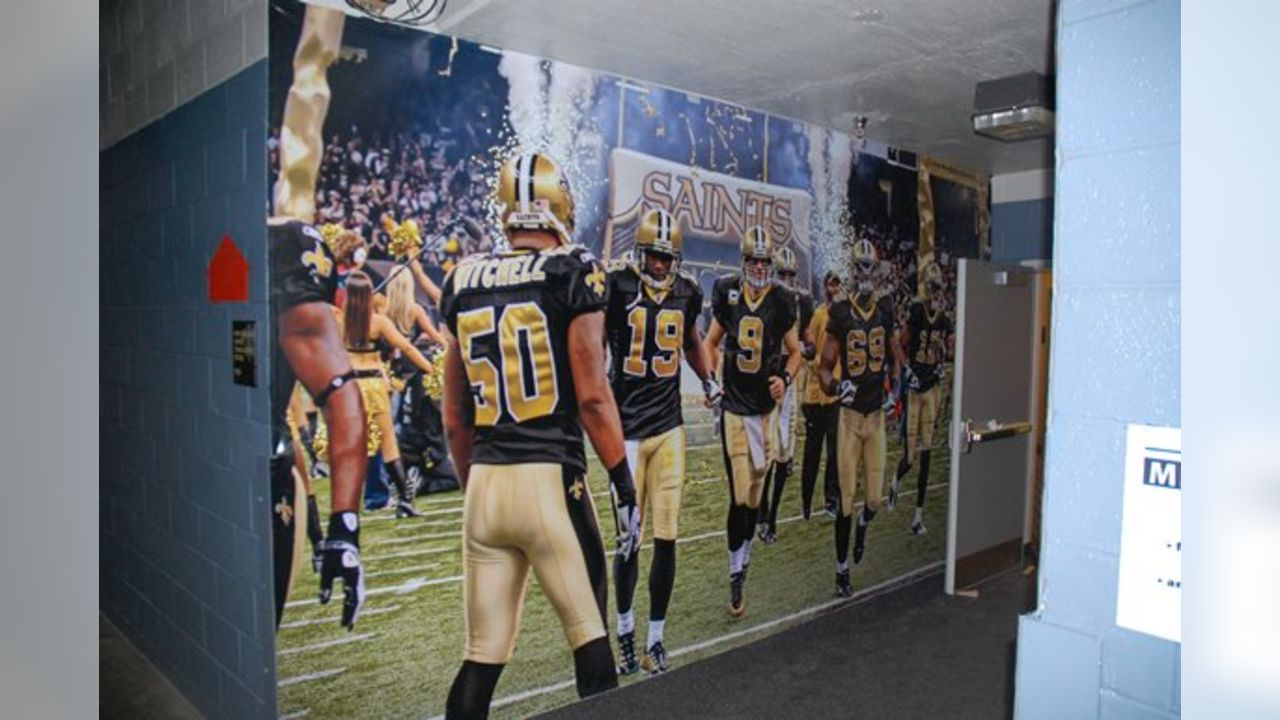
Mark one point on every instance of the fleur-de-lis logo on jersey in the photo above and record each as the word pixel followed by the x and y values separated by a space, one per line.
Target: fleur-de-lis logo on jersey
pixel 577 489
pixel 285 511
pixel 596 279
pixel 321 266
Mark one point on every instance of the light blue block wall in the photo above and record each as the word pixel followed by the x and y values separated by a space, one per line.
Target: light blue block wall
pixel 185 566
pixel 1116 353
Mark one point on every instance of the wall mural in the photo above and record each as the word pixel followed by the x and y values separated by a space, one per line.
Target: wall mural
pixel 399 160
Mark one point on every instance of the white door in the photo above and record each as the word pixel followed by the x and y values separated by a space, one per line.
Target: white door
pixel 995 421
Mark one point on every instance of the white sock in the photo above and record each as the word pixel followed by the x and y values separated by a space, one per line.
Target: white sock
pixel 746 553
pixel 842 567
pixel 735 561
pixel 626 622
pixel 655 632
pixel 919 516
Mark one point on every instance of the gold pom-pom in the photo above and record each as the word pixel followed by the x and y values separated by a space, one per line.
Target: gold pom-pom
pixel 433 382
pixel 320 441
pixel 406 241
pixel 330 233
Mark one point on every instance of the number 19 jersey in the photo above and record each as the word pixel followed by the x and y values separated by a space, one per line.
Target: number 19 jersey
pixel 510 312
pixel 753 341
pixel 647 332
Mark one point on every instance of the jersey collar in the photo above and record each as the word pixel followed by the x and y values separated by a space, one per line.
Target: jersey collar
pixel 752 305
pixel 866 313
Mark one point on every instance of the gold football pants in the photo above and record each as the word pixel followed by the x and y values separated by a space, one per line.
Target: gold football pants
pixel 922 413
pixel 783 422
pixel 862 443
pixel 746 455
pixel 657 464
pixel 519 516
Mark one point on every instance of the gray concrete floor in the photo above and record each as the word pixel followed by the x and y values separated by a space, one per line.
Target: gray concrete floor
pixel 129 686
pixel 910 653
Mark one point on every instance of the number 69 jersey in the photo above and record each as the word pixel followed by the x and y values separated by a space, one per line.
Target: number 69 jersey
pixel 753 341
pixel 864 334
pixel 647 331
pixel 510 312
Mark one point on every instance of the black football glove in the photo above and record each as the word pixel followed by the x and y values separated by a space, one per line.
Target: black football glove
pixel 940 373
pixel 913 380
pixel 340 558
pixel 846 391
pixel 625 511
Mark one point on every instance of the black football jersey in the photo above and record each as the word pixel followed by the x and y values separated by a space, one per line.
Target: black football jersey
pixel 647 331
pixel 864 334
pixel 510 312
pixel 928 347
pixel 302 267
pixel 802 303
pixel 753 341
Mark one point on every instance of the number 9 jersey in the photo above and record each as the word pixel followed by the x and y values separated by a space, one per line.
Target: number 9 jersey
pixel 753 341
pixel 510 313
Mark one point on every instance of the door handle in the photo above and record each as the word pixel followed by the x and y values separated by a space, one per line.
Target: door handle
pixel 991 430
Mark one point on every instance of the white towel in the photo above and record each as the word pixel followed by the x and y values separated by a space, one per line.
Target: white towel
pixel 754 427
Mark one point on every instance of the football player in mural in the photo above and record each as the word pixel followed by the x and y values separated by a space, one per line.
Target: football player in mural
pixel 930 341
pixel 819 409
pixel 785 418
pixel 861 339
pixel 753 319
pixel 652 322
pixel 303 284
pixel 303 287
pixel 524 375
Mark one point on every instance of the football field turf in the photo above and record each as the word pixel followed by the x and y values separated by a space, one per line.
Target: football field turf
pixel 407 644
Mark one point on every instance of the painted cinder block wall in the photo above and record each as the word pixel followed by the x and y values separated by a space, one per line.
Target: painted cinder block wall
pixel 1115 357
pixel 184 524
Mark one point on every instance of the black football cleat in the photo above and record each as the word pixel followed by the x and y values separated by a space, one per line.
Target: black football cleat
pixel 737 605
pixel 844 588
pixel 768 535
pixel 627 649
pixel 918 528
pixel 405 509
pixel 655 659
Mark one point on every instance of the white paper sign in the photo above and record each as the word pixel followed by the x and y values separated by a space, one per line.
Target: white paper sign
pixel 1150 589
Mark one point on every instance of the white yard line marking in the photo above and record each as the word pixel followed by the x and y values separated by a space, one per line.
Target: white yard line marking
pixel 286 682
pixel 324 620
pixel 402 571
pixel 418 583
pixel 416 538
pixel 296 714
pixel 414 526
pixel 383 515
pixel 861 595
pixel 412 553
pixel 327 644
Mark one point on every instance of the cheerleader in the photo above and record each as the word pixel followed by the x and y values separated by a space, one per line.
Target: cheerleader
pixel 362 328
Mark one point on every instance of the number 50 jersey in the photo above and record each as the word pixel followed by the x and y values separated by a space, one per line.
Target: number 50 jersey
pixel 647 333
pixel 510 312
